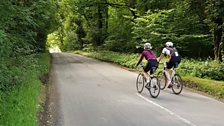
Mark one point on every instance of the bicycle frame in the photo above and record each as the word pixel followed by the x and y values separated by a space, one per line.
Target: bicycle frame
pixel 153 88
pixel 172 69
pixel 176 80
pixel 150 75
pixel 173 73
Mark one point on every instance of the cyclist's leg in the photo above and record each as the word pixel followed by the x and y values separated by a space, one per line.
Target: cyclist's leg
pixel 154 66
pixel 167 72
pixel 177 61
pixel 146 70
pixel 174 61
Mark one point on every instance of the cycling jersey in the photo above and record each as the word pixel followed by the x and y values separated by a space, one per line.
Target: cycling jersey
pixel 170 51
pixel 175 57
pixel 147 54
pixel 151 58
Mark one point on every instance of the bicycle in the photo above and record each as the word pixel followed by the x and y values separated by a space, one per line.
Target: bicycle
pixel 153 85
pixel 176 80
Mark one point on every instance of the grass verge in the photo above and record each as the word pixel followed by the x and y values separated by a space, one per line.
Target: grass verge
pixel 20 105
pixel 208 86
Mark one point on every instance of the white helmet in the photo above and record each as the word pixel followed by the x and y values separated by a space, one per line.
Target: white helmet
pixel 147 46
pixel 169 44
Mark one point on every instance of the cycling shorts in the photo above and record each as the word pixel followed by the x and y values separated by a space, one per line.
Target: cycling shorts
pixel 150 64
pixel 174 61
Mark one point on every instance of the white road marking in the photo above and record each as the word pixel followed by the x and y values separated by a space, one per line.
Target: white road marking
pixel 167 110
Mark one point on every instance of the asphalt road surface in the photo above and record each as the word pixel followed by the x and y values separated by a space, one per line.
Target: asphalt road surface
pixel 95 93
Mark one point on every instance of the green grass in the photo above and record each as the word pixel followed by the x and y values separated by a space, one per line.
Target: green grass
pixel 19 106
pixel 211 87
pixel 197 74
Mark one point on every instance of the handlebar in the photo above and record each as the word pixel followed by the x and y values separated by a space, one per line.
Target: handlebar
pixel 164 64
pixel 139 66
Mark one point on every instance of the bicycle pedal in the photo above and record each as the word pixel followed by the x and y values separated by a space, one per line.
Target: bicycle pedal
pixel 170 86
pixel 147 86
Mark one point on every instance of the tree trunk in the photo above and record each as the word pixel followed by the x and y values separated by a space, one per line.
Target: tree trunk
pixel 106 21
pixel 41 44
pixel 61 36
pixel 132 4
pixel 80 32
pixel 80 43
pixel 222 51
pixel 217 42
pixel 100 26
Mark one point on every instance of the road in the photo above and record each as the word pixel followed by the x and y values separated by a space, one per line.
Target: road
pixel 95 93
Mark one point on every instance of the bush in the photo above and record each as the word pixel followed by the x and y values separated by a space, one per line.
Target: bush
pixel 203 69
pixel 19 96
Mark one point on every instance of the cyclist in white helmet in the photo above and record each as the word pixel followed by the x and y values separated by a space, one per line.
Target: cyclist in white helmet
pixel 150 56
pixel 174 60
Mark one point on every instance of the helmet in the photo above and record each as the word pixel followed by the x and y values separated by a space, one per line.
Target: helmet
pixel 147 46
pixel 169 44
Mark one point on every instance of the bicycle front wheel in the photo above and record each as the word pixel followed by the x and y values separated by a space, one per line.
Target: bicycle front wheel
pixel 177 84
pixel 154 88
pixel 162 80
pixel 140 82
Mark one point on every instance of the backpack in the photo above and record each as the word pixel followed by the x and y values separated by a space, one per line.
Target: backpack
pixel 151 52
pixel 173 51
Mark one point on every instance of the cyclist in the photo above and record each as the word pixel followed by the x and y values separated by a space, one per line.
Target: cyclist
pixel 174 60
pixel 149 55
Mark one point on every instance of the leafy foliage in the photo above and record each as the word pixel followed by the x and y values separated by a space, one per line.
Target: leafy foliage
pixel 166 25
pixel 122 25
pixel 203 69
pixel 18 105
pixel 24 28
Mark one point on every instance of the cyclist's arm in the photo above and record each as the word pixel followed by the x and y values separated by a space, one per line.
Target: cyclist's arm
pixel 162 54
pixel 161 57
pixel 169 56
pixel 140 60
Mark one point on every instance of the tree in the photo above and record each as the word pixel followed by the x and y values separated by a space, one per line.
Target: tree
pixel 80 32
pixel 110 24
pixel 215 11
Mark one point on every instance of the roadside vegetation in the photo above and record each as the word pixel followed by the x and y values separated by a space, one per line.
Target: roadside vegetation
pixel 20 103
pixel 195 73
pixel 24 26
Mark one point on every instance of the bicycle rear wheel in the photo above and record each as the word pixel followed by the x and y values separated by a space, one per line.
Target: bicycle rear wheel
pixel 162 80
pixel 154 88
pixel 140 82
pixel 177 84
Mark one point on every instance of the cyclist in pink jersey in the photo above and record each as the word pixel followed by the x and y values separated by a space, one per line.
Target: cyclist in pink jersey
pixel 149 55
